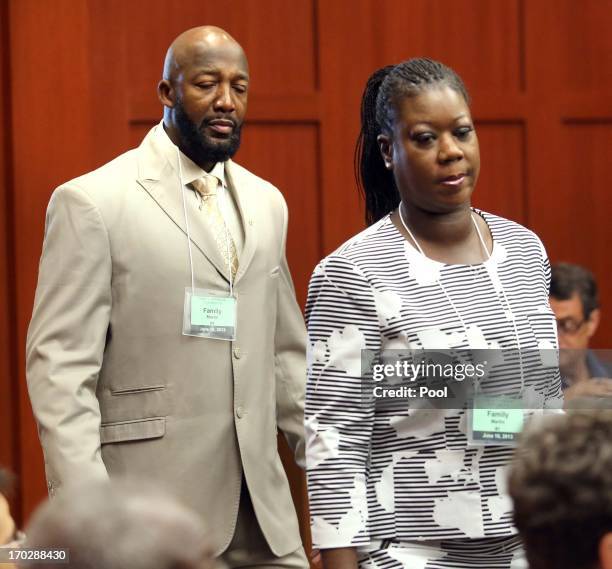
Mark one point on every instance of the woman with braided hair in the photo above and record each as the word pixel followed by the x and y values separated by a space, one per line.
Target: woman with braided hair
pixel 392 485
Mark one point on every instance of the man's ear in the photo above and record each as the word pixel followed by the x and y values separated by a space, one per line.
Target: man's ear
pixel 593 321
pixel 166 94
pixel 386 149
pixel 605 551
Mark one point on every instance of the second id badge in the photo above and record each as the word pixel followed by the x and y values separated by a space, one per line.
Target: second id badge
pixel 495 420
pixel 209 314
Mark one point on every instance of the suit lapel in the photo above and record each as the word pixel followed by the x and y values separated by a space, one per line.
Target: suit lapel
pixel 247 206
pixel 160 180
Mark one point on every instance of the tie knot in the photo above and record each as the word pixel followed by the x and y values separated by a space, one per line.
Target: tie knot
pixel 206 185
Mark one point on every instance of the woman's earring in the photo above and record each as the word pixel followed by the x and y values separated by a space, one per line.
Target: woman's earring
pixel 388 165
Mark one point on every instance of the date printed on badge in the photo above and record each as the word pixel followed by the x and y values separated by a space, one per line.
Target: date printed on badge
pixel 25 555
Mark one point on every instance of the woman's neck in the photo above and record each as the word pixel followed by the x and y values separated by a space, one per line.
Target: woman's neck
pixel 439 228
pixel 446 237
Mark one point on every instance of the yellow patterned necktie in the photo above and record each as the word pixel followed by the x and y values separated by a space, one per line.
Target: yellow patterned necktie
pixel 207 188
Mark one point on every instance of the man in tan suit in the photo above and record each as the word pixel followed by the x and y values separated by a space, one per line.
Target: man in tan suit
pixel 166 341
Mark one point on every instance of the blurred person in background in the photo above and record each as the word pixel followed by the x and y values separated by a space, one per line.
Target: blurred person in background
pixel 561 486
pixel 9 535
pixel 574 300
pixel 120 524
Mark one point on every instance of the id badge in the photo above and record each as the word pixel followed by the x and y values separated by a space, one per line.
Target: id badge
pixel 209 314
pixel 495 420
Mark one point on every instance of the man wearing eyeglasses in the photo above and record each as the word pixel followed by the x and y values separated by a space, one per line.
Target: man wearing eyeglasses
pixel 573 299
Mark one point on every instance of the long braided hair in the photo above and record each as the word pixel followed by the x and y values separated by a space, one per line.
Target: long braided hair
pixel 383 91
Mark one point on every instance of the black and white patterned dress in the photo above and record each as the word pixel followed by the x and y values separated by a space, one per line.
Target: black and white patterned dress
pixel 409 476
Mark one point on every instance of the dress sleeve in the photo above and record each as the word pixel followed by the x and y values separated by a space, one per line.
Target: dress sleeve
pixel 554 396
pixel 342 321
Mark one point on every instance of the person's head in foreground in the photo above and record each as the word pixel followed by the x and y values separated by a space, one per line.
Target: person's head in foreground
pixel 561 485
pixel 417 141
pixel 120 525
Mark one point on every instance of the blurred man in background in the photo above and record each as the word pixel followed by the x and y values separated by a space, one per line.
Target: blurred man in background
pixel 574 300
pixel 7 524
pixel 10 537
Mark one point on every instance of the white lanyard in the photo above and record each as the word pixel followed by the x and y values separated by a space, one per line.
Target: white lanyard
pixel 507 310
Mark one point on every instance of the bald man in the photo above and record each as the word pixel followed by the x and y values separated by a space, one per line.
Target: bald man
pixel 166 342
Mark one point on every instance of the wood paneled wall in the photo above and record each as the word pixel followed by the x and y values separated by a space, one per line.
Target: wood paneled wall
pixel 9 387
pixel 80 80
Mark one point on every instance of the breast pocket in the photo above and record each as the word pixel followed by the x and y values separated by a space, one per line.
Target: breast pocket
pixel 132 390
pixel 129 403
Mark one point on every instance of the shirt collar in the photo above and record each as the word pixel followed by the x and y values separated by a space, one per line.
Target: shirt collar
pixel 190 170
pixel 219 171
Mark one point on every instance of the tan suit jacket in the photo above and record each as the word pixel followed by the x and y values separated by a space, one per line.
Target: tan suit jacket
pixel 115 386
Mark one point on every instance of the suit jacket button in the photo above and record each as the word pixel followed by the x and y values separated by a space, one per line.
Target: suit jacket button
pixel 239 412
pixel 237 353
